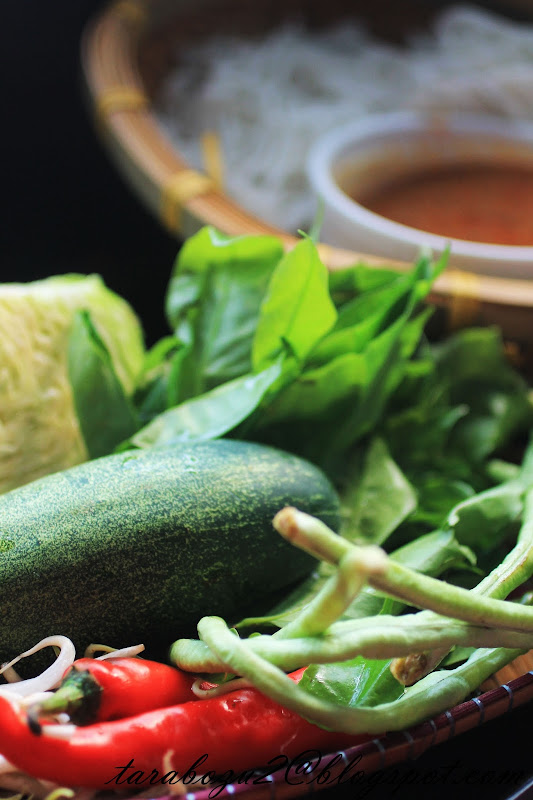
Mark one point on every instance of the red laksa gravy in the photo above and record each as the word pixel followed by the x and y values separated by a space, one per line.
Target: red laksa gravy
pixel 487 203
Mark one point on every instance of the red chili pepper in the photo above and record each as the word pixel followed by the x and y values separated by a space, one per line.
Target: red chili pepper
pixel 98 690
pixel 237 731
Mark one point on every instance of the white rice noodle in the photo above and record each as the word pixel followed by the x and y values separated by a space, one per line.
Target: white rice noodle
pixel 50 677
pixel 269 100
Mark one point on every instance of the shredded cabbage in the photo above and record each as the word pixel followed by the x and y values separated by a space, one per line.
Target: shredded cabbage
pixel 39 430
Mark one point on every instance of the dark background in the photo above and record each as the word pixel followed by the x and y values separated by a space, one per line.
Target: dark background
pixel 65 209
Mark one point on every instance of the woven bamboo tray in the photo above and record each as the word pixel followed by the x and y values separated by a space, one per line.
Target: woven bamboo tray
pixel 125 54
pixel 382 752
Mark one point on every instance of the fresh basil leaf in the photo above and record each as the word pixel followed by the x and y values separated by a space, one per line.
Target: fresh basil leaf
pixel 105 414
pixel 384 293
pixel 314 392
pixel 366 277
pixel 353 338
pixel 474 366
pixel 381 357
pixel 437 495
pixel 359 682
pixel 155 390
pixel 328 409
pixel 443 425
pixel 356 338
pixel 212 414
pixel 156 357
pixel 348 282
pixel 494 417
pixel 435 553
pixel 381 301
pixel 381 498
pixel 152 399
pixel 346 340
pixel 184 295
pixel 213 303
pixel 297 307
pixel 474 354
pixel 483 520
pixel 422 429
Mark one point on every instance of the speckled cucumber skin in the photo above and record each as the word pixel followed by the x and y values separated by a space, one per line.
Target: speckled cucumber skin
pixel 136 547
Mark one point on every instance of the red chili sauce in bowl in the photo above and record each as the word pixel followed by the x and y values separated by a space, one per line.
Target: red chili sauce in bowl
pixel 487 203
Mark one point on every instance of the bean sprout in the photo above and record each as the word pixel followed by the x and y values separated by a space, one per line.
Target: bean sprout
pixel 112 652
pixel 51 676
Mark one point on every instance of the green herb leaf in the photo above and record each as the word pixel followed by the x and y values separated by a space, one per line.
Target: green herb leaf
pixel 316 391
pixel 474 366
pixel 345 283
pixel 155 392
pixel 483 520
pixel 105 414
pixel 211 415
pixel 437 494
pixel 297 308
pixel 213 303
pixel 381 499
pixel 355 683
pixel 385 301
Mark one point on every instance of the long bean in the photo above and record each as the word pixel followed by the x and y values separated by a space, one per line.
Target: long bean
pixel 409 639
pixel 380 637
pixel 399 581
pixel 515 568
pixel 433 694
pixel 354 570
pixel 453 616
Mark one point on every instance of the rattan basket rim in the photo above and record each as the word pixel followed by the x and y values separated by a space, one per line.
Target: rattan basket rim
pixel 184 199
pixel 344 767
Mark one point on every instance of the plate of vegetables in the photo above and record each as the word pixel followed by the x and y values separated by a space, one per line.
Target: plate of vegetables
pixel 301 526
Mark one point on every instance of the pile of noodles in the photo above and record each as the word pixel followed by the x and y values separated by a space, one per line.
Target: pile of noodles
pixel 268 100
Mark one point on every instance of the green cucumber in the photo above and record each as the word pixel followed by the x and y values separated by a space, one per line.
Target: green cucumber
pixel 138 546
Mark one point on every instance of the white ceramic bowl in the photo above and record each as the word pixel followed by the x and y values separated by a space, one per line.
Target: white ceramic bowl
pixel 389 145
